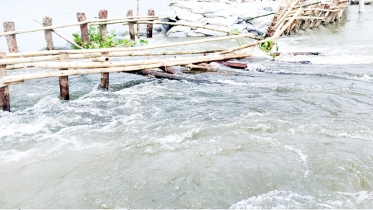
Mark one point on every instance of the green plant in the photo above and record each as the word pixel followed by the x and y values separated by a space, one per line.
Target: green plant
pixel 95 40
pixel 234 32
pixel 267 47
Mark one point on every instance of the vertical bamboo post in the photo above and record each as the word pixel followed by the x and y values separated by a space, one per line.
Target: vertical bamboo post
pixel 149 26
pixel 131 26
pixel 11 39
pixel 102 14
pixel 138 14
pixel 64 80
pixel 83 27
pixel 361 6
pixel 4 91
pixel 103 29
pixel 105 76
pixel 47 21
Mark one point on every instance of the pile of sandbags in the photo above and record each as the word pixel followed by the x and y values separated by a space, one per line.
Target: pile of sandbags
pixel 224 16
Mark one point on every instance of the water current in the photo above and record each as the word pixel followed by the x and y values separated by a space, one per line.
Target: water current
pixel 274 135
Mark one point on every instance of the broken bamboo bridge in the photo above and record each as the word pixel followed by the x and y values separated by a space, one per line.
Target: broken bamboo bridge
pixel 290 17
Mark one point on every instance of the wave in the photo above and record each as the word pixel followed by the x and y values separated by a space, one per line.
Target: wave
pixel 281 199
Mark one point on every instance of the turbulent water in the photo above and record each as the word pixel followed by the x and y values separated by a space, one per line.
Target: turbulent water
pixel 274 135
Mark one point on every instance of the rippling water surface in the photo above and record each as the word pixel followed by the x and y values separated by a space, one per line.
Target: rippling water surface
pixel 275 135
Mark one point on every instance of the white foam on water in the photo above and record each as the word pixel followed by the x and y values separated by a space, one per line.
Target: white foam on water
pixel 176 137
pixel 231 82
pixel 13 155
pixel 256 67
pixel 302 157
pixel 281 199
pixel 277 199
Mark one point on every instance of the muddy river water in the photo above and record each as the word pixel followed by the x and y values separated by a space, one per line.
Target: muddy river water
pixel 274 135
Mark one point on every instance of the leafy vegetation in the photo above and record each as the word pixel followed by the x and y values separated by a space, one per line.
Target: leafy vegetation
pixel 95 40
pixel 267 47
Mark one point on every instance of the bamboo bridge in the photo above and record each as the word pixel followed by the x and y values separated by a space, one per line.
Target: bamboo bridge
pixel 290 17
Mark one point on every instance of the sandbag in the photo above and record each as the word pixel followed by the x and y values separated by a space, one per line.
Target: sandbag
pixel 198 7
pixel 183 14
pixel 238 27
pixel 220 13
pixel 209 32
pixel 175 29
pixel 177 35
pixel 201 22
pixel 220 21
pixel 195 34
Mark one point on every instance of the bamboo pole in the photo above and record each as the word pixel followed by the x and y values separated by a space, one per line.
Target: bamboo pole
pixel 4 91
pixel 60 35
pixel 31 60
pixel 322 14
pixel 126 22
pixel 189 25
pixel 271 28
pixel 20 78
pixel 131 26
pixel 293 4
pixel 149 26
pixel 319 14
pixel 64 80
pixel 11 38
pixel 80 65
pixel 47 21
pixel 202 40
pixel 123 19
pixel 83 27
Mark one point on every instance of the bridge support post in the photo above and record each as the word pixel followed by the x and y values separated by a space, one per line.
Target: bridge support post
pixel 149 26
pixel 4 91
pixel 64 80
pixel 83 27
pixel 11 39
pixel 131 26
pixel 103 29
pixel 47 21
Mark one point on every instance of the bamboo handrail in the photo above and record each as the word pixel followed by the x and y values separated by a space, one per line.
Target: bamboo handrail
pixel 30 60
pixel 132 19
pixel 57 52
pixel 63 37
pixel 80 65
pixel 189 25
pixel 4 81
